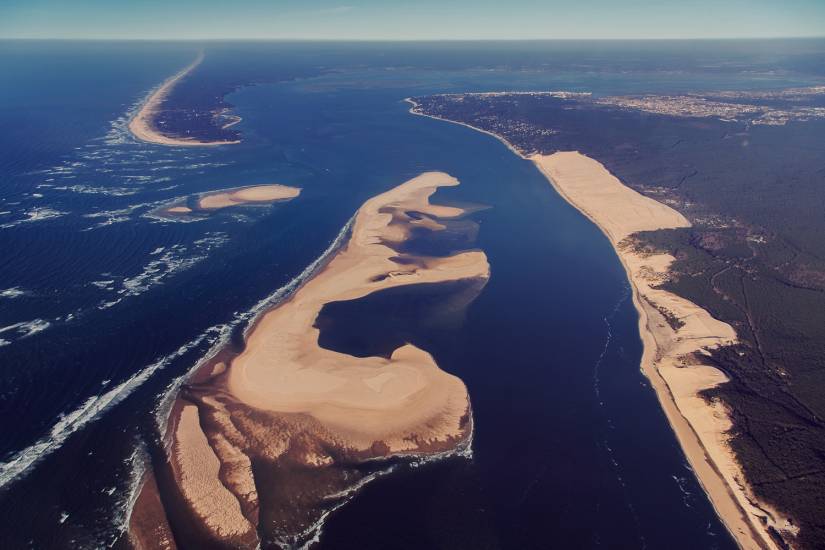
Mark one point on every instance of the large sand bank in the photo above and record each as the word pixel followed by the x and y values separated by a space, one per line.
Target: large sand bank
pixel 143 124
pixel 673 351
pixel 303 426
pixel 363 400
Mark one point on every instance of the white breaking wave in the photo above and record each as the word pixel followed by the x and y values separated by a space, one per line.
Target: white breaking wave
pixel 25 329
pixel 126 503
pixel 73 421
pixel 96 405
pixel 167 262
pixel 36 215
pixel 13 292
pixel 93 190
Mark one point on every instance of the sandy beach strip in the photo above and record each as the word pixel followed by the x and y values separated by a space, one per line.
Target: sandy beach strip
pixel 672 357
pixel 143 127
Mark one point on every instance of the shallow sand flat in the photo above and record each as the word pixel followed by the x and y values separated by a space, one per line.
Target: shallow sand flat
pixel 363 400
pixel 142 124
pixel 671 357
pixel 254 194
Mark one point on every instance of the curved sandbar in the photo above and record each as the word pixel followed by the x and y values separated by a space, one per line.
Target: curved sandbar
pixel 673 352
pixel 303 426
pixel 143 125
pixel 401 401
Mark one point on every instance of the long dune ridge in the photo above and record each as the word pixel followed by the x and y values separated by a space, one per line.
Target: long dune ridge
pixel 264 442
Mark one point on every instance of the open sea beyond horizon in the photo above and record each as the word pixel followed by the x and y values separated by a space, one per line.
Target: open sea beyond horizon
pixel 106 306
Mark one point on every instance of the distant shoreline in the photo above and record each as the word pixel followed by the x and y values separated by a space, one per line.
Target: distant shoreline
pixel 143 127
pixel 700 427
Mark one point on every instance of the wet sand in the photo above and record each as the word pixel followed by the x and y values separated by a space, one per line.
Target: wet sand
pixel 362 400
pixel 143 125
pixel 673 351
pixel 268 439
pixel 179 210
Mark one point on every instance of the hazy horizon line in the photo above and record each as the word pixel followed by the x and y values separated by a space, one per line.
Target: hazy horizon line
pixel 345 39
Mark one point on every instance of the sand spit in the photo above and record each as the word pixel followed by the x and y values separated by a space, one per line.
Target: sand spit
pixel 143 126
pixel 673 352
pixel 267 440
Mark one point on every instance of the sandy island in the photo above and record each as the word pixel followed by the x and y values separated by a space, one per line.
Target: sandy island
pixel 143 125
pixel 216 200
pixel 673 351
pixel 305 426
pixel 248 195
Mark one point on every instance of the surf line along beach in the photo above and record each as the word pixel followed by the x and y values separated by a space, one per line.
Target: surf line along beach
pixel 144 126
pixel 264 442
pixel 675 333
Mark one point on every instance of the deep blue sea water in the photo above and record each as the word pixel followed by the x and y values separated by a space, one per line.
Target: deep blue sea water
pixel 104 307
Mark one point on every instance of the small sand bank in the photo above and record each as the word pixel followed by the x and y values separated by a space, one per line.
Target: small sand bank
pixel 143 125
pixel 672 357
pixel 248 195
pixel 216 200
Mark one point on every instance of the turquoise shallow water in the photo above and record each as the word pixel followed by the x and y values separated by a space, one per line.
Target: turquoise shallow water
pixel 104 307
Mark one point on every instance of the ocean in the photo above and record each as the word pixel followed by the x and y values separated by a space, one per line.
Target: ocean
pixel 106 306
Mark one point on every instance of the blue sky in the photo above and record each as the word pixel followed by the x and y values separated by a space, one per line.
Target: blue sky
pixel 408 20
